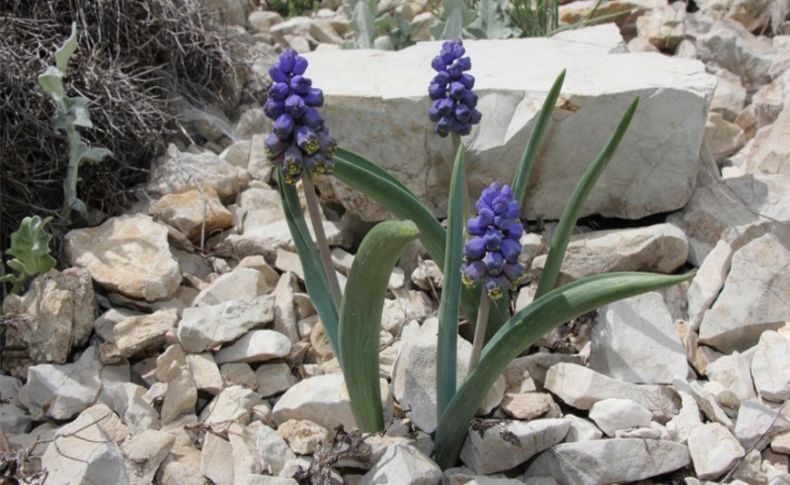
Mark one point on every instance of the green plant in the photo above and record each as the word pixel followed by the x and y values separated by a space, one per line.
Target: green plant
pixel 30 252
pixel 535 18
pixel 72 113
pixel 367 22
pixel 353 329
pixel 293 8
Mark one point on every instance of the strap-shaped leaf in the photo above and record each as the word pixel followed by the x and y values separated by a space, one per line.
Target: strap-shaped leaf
pixel 451 291
pixel 521 179
pixel 360 317
pixel 314 276
pixel 523 330
pixel 559 243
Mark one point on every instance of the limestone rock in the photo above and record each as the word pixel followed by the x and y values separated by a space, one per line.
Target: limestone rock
pixel 752 14
pixel 732 372
pixel 127 401
pixel 91 456
pixel 214 462
pixel 244 284
pixel 13 418
pixel 662 248
pixel 769 153
pixel 255 346
pixel 233 404
pixel 205 372
pixel 706 402
pixel 771 366
pixel 729 98
pixel 527 405
pixel 601 462
pixel 137 333
pixel 581 430
pixel 58 312
pixel 273 450
pixel 615 414
pixel 635 341
pixel 663 27
pixel 239 373
pixel 732 211
pixel 496 446
pixel 194 213
pixel 273 378
pixel 414 376
pixel 734 48
pixel 687 419
pixel 204 327
pixel 713 449
pixel 404 464
pixel 127 254
pixel 757 424
pixel 674 91
pixel 323 400
pixel 61 391
pixel 751 301
pixel 304 437
pixel 180 171
pixel 581 387
pixel 181 394
pixel 707 282
pixel 182 465
pixel 723 137
pixel 260 21
pixel 145 452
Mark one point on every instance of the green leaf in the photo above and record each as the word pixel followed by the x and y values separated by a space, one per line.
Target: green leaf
pixel 451 292
pixel 64 53
pixel 452 24
pixel 30 249
pixel 523 330
pixel 491 21
pixel 360 317
pixel 315 278
pixel 94 155
pixel 524 169
pixel 364 25
pixel 562 235
pixel 51 83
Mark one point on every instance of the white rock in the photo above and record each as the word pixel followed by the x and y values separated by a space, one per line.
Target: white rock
pixel 713 449
pixel 137 333
pixel 581 387
pixel 145 452
pixel 61 391
pixel 285 318
pixel 239 373
pixel 13 418
pixel 323 400
pixel 526 405
pixel 244 284
pixel 601 462
pixel 615 414
pixel 403 464
pixel 663 27
pixel 58 313
pixel 274 378
pixel 510 101
pixel 771 366
pixel 659 248
pixel 182 465
pixel 724 138
pixel 752 14
pixel 732 211
pixel 233 404
pixel 304 437
pixel 581 430
pixel 273 450
pixel 769 153
pixel 428 275
pixel 706 402
pixel 734 48
pixel 181 394
pixel 179 172
pixel 205 372
pixel 127 254
pixel 214 462
pixel 687 419
pixel 126 400
pixel 414 376
pixel 729 98
pixel 732 372
pixel 752 299
pixel 495 446
pixel 260 21
pixel 707 282
pixel 255 346
pixel 195 213
pixel 635 340
pixel 208 326
pixel 757 424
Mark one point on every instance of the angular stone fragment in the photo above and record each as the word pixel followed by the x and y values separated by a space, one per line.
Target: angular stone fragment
pixel 195 213
pixel 581 430
pixel 239 373
pixel 204 327
pixel 135 334
pixel 758 423
pixel 214 462
pixel 732 372
pixel 635 340
pixel 663 27
pixel 496 446
pixel 304 437
pixel 13 418
pixel 244 284
pixel 771 366
pixel 734 48
pixel 707 282
pixel 675 91
pixel 660 248
pixel 614 414
pixel 255 346
pixel 581 387
pixel 145 452
pixel 274 378
pixel 205 372
pixel 180 171
pixel 273 450
pixel 769 153
pixel 233 404
pixel 404 464
pixel 527 405
pixel 687 419
pixel 752 300
pixel 602 462
pixel 714 450
pixel 127 254
pixel 323 400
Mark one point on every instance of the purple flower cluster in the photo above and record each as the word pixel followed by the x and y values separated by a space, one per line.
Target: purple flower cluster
pixel 299 141
pixel 453 108
pixel 491 254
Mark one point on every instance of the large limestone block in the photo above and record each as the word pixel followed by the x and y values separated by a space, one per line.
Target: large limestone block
pixel 376 105
pixel 127 254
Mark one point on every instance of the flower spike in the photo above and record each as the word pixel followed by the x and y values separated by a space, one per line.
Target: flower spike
pixel 454 103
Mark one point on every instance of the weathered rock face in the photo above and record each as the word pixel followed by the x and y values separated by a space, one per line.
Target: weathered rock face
pixel 666 132
pixel 127 254
pixel 754 295
pixel 193 212
pixel 182 171
pixel 734 48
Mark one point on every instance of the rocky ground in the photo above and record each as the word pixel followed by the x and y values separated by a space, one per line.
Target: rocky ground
pixel 207 362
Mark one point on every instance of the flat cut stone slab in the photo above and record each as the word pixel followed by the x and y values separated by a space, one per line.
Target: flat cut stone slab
pixel 377 106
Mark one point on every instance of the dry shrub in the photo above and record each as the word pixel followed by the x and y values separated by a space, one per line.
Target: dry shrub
pixel 137 61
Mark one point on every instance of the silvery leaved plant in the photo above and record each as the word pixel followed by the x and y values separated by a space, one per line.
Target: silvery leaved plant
pixel 480 268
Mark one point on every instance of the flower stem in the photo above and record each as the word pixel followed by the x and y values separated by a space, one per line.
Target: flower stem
pixel 320 237
pixel 480 329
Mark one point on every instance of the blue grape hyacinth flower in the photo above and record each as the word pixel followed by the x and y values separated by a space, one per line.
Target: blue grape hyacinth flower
pixel 492 251
pixel 299 140
pixel 454 102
